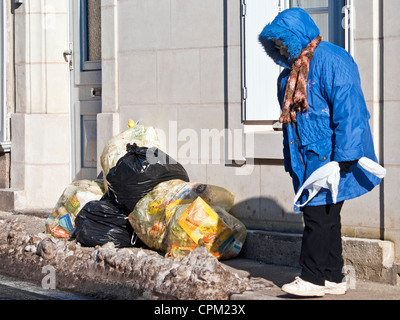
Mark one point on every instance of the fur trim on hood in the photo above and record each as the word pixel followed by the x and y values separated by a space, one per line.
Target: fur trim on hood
pixel 295 29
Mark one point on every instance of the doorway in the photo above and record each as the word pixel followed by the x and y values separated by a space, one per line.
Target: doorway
pixel 84 58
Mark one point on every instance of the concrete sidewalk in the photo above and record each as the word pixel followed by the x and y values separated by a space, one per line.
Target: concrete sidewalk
pixel 279 275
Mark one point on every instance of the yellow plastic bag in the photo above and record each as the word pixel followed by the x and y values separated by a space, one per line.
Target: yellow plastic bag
pixel 176 216
pixel 208 226
pixel 61 223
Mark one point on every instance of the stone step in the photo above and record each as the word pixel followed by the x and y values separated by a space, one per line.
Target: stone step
pixel 11 199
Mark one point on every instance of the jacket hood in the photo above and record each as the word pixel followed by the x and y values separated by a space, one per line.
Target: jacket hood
pixel 295 29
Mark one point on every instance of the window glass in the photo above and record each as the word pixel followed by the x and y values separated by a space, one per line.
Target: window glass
pixel 307 4
pixel 261 73
pixel 319 12
pixel 93 12
pixel 322 21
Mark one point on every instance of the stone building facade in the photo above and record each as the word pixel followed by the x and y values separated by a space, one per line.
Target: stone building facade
pixel 177 65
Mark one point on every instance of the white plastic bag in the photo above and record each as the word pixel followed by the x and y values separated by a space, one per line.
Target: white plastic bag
pixel 328 177
pixel 372 167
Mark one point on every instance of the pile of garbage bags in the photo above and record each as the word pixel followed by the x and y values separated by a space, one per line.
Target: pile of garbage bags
pixel 147 199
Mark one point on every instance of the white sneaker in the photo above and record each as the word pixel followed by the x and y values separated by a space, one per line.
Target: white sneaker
pixel 299 287
pixel 334 288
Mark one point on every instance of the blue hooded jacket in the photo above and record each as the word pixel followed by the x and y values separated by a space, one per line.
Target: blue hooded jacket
pixel 335 127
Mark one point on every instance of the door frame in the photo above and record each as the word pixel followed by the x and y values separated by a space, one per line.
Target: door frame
pixel 4 147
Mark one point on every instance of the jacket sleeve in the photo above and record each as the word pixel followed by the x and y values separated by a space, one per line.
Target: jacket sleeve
pixel 348 109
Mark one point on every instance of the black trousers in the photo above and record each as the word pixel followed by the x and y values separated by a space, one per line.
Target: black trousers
pixel 321 250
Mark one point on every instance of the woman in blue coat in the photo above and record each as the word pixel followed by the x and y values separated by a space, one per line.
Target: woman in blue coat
pixel 325 119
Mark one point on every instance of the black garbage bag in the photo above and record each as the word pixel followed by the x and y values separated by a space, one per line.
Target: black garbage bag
pixel 138 172
pixel 100 222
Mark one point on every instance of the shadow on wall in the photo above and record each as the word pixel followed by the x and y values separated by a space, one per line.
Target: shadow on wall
pixel 263 213
pixel 273 233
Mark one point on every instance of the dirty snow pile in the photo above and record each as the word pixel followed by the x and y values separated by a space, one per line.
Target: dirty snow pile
pixel 127 273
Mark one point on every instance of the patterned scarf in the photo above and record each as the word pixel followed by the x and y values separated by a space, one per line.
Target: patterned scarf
pixel 296 88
